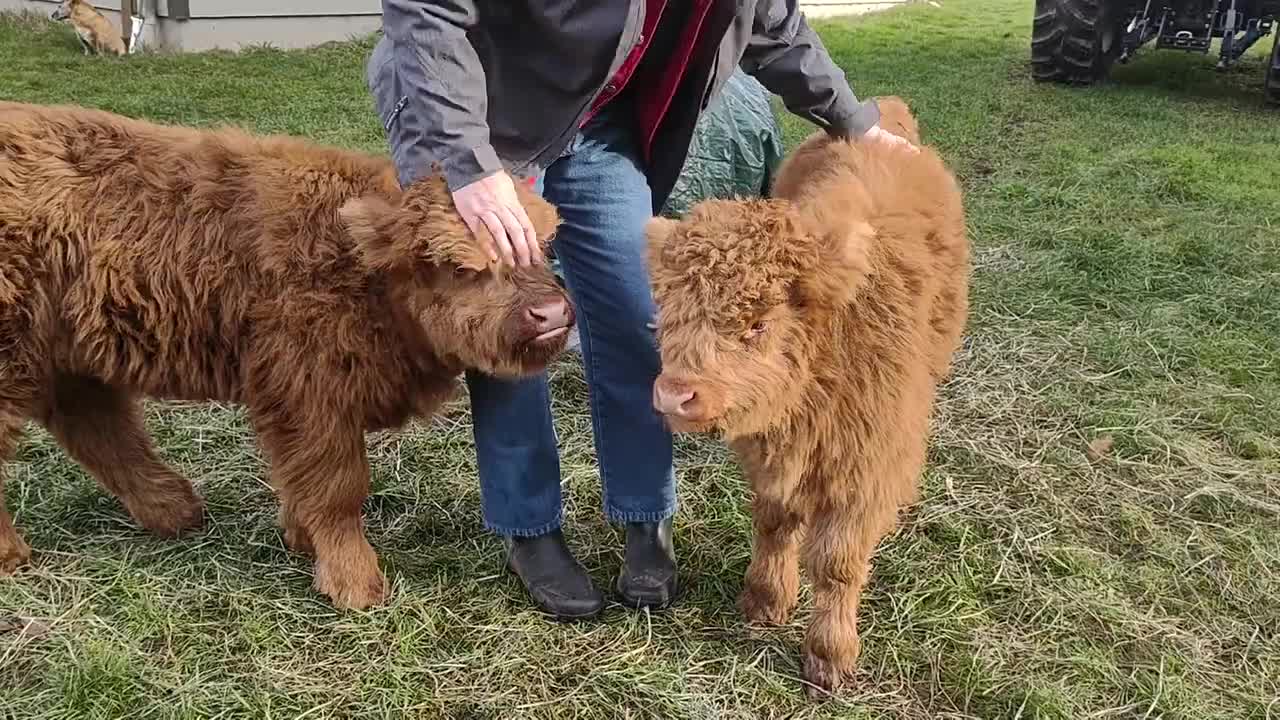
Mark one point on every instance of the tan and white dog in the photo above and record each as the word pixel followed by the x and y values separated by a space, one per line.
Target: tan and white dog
pixel 95 31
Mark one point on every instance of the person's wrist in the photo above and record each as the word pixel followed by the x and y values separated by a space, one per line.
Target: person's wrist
pixel 471 181
pixel 468 166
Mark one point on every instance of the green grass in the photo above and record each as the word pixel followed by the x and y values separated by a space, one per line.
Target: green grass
pixel 1127 287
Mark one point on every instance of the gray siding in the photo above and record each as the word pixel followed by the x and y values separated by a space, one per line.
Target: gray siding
pixel 282 8
pixel 827 8
pixel 181 9
pixel 195 25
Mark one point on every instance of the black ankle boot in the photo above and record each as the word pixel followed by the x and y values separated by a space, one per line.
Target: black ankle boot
pixel 648 577
pixel 554 579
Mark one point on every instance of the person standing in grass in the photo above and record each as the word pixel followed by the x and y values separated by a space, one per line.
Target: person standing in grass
pixel 594 103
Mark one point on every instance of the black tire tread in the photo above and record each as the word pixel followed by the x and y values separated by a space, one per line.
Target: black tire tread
pixel 1066 38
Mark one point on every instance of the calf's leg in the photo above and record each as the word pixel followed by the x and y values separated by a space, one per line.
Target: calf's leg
pixel 772 583
pixel 13 551
pixel 842 537
pixel 322 477
pixel 295 535
pixel 101 428
pixel 23 358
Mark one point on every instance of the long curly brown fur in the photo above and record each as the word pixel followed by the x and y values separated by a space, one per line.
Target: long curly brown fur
pixel 811 329
pixel 145 260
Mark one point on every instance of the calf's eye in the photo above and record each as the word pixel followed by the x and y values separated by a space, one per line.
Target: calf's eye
pixel 756 330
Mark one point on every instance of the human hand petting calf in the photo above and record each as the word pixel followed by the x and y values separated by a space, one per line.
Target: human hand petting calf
pixel 491 202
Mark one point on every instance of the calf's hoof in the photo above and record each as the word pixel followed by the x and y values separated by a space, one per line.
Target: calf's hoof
pixel 351 590
pixel 14 553
pixel 169 515
pixel 765 607
pixel 296 537
pixel 298 540
pixel 824 677
pixel 828 662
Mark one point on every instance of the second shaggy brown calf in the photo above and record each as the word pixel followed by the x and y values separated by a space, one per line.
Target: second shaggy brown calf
pixel 811 330
pixel 145 260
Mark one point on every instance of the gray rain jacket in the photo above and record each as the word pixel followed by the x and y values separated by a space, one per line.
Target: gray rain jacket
pixel 476 86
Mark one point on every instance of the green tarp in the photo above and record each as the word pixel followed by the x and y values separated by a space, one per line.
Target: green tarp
pixel 736 148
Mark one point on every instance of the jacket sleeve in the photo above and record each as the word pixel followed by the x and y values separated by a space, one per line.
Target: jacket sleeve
pixel 440 99
pixel 789 59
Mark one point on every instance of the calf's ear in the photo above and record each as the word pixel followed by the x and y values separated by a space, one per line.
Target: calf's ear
pixel 371 221
pixel 656 233
pixel 544 216
pixel 842 263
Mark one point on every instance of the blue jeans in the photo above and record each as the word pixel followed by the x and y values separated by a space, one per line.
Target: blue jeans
pixel 602 194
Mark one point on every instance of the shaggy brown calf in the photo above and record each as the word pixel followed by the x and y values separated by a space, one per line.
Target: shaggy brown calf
pixel 811 330
pixel 300 281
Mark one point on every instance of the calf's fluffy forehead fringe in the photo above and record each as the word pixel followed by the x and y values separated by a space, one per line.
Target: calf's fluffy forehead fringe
pixel 732 261
pixel 424 226
pixel 742 242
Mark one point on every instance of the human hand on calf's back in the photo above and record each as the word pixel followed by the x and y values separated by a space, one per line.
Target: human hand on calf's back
pixel 879 134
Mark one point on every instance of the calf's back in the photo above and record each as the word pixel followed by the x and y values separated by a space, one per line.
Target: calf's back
pixel 167 256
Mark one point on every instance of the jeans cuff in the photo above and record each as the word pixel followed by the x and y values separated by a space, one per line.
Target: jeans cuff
pixel 620 516
pixel 525 532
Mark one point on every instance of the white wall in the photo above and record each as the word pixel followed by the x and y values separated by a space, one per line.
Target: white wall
pixel 231 24
pixel 827 8
pixel 231 33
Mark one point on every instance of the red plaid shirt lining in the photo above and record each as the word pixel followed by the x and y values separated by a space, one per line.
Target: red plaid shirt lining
pixel 654 100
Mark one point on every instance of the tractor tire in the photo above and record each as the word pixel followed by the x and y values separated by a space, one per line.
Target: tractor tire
pixel 1272 87
pixel 1074 41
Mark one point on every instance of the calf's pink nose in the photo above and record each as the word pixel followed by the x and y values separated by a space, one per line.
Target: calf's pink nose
pixel 671 398
pixel 551 316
